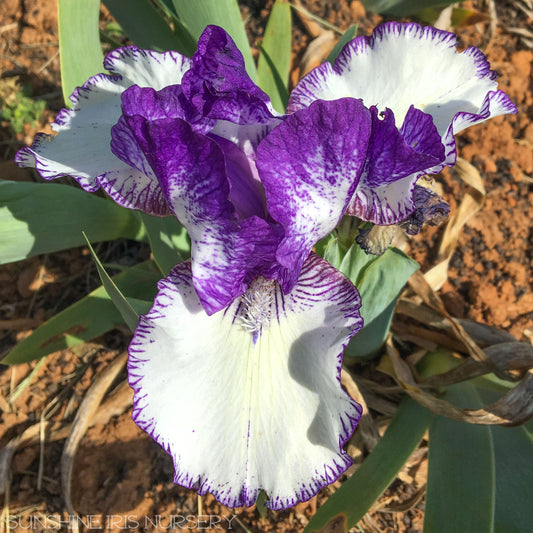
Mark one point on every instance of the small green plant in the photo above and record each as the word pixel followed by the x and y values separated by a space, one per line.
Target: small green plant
pixel 17 105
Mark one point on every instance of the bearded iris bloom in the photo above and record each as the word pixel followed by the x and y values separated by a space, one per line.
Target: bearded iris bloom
pixel 236 368
pixel 246 341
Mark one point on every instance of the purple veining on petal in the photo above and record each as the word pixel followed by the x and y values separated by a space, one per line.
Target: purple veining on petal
pixel 219 85
pixel 151 105
pixel 147 68
pixel 125 146
pixel 241 486
pixel 395 160
pixel 133 189
pixel 393 154
pixel 169 102
pixel 419 132
pixel 310 166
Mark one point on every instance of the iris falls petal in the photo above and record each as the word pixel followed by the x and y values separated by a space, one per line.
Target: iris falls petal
pixel 272 361
pixel 406 64
pixel 81 147
pixel 406 67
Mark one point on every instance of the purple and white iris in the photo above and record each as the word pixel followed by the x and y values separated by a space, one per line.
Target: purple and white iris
pixel 236 368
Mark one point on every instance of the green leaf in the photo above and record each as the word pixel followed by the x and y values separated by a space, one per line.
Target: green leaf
pixel 356 495
pixel 80 51
pixel 355 262
pixel 331 249
pixel 379 281
pixel 382 280
pixel 461 473
pixel 168 7
pixel 225 13
pixel 274 61
pixel 348 35
pixel 24 207
pixel 146 27
pixel 460 17
pixel 169 241
pixel 513 450
pixel 368 343
pixel 128 313
pixel 402 8
pixel 88 318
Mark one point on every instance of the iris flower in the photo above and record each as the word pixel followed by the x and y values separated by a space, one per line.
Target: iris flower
pixel 403 69
pixel 236 368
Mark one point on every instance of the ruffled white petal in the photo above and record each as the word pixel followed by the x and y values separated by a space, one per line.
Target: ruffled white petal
pixel 495 103
pixel 147 68
pixel 403 65
pixel 81 147
pixel 249 398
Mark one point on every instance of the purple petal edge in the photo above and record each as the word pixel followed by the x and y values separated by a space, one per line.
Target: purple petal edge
pixel 181 274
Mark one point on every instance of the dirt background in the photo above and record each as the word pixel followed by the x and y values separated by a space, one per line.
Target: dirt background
pixel 120 476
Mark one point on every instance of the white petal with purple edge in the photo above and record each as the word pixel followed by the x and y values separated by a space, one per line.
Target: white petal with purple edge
pixel 135 190
pixel 402 65
pixel 147 68
pixel 385 205
pixel 81 147
pixel 249 398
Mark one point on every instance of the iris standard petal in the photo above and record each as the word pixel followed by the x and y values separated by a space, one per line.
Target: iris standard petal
pixel 249 399
pixel 191 169
pixel 310 166
pixel 219 86
pixel 404 65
